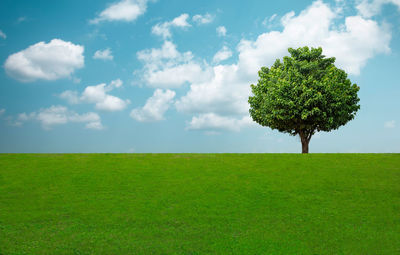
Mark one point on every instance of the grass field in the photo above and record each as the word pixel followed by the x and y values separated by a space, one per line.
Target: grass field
pixel 199 204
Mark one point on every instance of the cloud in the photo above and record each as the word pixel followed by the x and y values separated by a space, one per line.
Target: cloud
pixel 168 68
pixel 222 55
pixel 352 43
pixel 2 111
pixel 270 21
pixel 45 61
pixel 103 101
pixel 369 8
pixel 214 122
pixel 3 35
pixel 226 92
pixel 390 124
pixel 59 115
pixel 203 19
pixel 115 84
pixel 221 31
pixel 98 95
pixel 103 54
pixel 164 29
pixel 180 21
pixel 21 19
pixel 94 125
pixel 155 106
pixel 125 10
pixel 272 17
pixel 70 96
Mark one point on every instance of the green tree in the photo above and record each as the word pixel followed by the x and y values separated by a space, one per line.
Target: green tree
pixel 305 94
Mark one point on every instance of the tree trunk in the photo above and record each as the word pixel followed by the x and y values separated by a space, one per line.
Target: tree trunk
pixel 304 146
pixel 305 140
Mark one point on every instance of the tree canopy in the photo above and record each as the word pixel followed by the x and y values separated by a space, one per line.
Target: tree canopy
pixel 303 94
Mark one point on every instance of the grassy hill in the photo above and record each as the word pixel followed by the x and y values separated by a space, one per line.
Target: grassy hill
pixel 199 204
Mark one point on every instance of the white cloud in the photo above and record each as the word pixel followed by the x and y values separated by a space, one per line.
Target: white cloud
pixel 226 92
pixel 3 35
pixel 115 84
pixel 359 39
pixel 155 106
pixel 103 101
pixel 155 56
pixel 103 54
pixel 213 122
pixel 20 119
pixel 59 115
pixel 203 19
pixel 390 124
pixel 368 8
pixel 94 125
pixel 2 111
pixel 164 29
pixel 180 21
pixel 125 10
pixel 70 96
pixel 222 55
pixel 221 31
pixel 25 117
pixel 272 17
pixel 46 61
pixel 98 95
pixel 168 68
pixel 176 75
pixel 269 21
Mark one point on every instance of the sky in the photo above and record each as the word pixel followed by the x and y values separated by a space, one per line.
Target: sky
pixel 159 76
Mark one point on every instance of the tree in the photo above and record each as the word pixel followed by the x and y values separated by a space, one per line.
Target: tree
pixel 305 94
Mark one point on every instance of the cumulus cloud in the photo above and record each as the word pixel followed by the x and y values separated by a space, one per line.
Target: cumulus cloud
pixel 214 122
pixel 59 115
pixel 168 68
pixel 125 10
pixel 203 19
pixel 155 106
pixel 3 35
pixel 98 95
pixel 390 124
pixel 222 55
pixel 45 61
pixel 72 97
pixel 368 8
pixel 221 31
pixel 103 54
pixel 2 111
pixel 226 92
pixel 353 44
pixel 164 29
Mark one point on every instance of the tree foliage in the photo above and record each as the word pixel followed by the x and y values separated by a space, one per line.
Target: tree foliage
pixel 303 94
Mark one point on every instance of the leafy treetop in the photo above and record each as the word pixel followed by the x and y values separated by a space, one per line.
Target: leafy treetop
pixel 303 94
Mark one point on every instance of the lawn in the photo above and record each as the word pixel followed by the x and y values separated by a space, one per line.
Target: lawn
pixel 199 204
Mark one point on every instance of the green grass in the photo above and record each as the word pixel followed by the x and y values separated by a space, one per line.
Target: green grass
pixel 199 204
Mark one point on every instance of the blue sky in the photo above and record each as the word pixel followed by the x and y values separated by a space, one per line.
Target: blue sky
pixel 174 76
